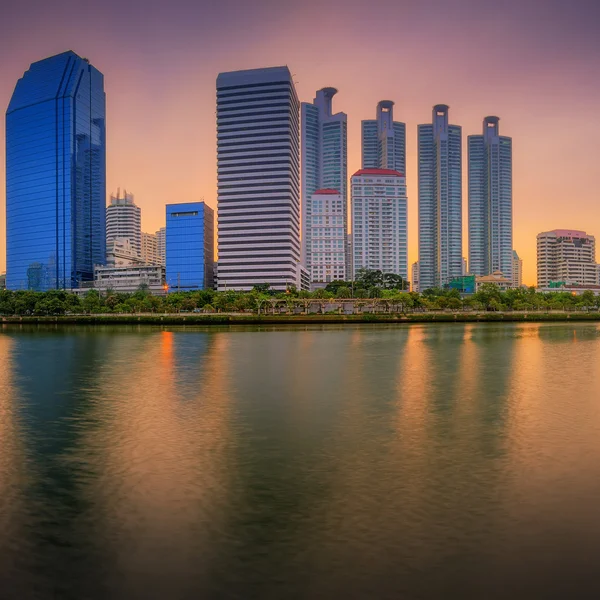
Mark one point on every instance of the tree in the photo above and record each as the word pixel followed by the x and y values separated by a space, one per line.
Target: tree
pixel 368 278
pixel 392 281
pixel 262 288
pixel 343 292
pixel 588 299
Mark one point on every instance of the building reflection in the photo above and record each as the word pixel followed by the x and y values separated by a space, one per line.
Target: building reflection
pixel 160 455
pixel 47 370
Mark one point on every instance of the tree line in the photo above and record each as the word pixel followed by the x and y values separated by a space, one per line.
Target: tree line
pixel 371 291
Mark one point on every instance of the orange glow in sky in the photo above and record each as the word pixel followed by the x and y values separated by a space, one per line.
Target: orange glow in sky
pixel 537 71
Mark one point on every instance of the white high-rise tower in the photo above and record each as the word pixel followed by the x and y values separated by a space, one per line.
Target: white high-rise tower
pixel 124 220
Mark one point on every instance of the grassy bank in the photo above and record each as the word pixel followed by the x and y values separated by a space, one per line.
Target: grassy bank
pixel 253 319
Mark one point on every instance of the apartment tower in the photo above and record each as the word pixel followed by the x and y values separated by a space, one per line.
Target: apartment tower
pixel 440 200
pixel 324 166
pixel 490 201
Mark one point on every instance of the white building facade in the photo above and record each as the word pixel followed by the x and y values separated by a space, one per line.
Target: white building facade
pixel 379 221
pixel 124 220
pixel 258 175
pixel 327 236
pixel 129 279
pixel 324 163
pixel 566 255
pixel 440 200
pixel 150 254
pixel 161 245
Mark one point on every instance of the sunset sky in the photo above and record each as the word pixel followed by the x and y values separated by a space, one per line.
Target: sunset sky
pixel 535 64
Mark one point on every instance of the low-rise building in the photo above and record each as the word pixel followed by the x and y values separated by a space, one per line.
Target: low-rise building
pixel 130 278
pixel 572 288
pixel 497 278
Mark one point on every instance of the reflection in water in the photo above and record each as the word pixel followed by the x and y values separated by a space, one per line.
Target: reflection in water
pixel 416 462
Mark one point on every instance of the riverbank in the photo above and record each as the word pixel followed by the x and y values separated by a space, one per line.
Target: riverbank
pixel 253 319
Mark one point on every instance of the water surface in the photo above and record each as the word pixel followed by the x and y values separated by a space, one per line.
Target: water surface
pixel 422 461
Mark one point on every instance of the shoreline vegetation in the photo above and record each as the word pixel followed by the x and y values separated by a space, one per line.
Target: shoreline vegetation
pixel 373 297
pixel 310 319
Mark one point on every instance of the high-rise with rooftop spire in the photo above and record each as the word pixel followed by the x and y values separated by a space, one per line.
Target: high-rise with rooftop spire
pixel 384 140
pixel 324 166
pixel 440 200
pixel 490 201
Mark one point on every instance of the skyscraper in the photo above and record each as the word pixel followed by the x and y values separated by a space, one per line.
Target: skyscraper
pixel 190 246
pixel 379 209
pixel 124 220
pixel 384 140
pixel 258 156
pixel 324 164
pixel 55 175
pixel 490 201
pixel 440 200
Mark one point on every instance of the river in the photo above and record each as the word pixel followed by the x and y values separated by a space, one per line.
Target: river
pixel 368 461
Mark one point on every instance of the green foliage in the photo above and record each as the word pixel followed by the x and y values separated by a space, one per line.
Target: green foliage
pixel 262 300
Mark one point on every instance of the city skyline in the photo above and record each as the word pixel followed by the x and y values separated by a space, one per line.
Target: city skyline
pixel 155 101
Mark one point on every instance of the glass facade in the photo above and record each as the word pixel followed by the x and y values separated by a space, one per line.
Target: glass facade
pixel 490 201
pixel 324 166
pixel 190 246
pixel 440 201
pixel 55 175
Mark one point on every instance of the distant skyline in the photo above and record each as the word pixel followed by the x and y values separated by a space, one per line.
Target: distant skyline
pixel 532 63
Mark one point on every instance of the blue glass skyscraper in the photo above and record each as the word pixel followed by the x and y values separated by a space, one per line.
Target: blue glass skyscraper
pixel 55 175
pixel 190 243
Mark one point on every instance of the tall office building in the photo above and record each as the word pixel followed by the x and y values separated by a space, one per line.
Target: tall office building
pixel 379 209
pixel 190 246
pixel 384 140
pixel 440 200
pixel 566 255
pixel 490 201
pixel 55 175
pixel 124 220
pixel 324 163
pixel 258 159
pixel 327 236
pixel 517 270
